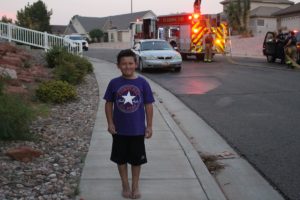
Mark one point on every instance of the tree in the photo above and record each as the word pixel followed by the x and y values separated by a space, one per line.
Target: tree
pixel 238 14
pixel 35 16
pixel 5 19
pixel 246 15
pixel 96 34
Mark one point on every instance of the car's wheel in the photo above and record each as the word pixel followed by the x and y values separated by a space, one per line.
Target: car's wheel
pixel 141 67
pixel 177 69
pixel 270 58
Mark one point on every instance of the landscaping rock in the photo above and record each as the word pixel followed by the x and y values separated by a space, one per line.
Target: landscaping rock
pixel 24 154
pixel 63 137
pixel 9 73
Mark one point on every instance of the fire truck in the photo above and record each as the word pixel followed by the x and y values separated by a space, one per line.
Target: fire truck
pixel 186 32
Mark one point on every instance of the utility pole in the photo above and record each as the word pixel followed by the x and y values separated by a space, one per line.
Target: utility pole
pixel 131 6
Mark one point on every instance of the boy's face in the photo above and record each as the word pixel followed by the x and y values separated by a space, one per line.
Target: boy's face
pixel 127 66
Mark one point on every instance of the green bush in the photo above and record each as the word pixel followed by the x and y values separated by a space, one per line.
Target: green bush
pixel 72 69
pixel 80 62
pixel 55 92
pixel 69 72
pixel 15 118
pixel 55 56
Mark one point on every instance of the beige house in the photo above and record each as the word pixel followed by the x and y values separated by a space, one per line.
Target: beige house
pixel 117 28
pixel 289 18
pixel 261 18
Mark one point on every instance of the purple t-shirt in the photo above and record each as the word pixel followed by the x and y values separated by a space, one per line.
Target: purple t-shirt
pixel 129 97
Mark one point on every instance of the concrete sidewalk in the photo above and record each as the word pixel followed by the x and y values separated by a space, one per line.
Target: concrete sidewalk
pixel 174 170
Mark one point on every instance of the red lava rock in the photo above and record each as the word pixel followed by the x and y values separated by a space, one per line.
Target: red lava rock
pixel 23 154
pixel 16 90
pixel 11 60
pixel 28 71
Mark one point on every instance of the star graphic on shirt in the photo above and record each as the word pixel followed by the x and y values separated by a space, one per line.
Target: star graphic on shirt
pixel 128 98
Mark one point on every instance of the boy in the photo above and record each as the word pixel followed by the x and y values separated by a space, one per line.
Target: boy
pixel 128 99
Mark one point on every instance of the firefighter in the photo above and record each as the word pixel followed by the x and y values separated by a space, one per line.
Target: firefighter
pixel 197 4
pixel 291 49
pixel 208 46
pixel 280 41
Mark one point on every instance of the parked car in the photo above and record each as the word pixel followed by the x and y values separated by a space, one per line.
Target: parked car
pixel 155 54
pixel 78 38
pixel 273 49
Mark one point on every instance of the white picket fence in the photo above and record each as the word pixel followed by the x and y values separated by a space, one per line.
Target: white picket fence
pixel 39 39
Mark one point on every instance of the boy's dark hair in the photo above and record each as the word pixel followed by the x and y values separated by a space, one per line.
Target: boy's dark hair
pixel 126 53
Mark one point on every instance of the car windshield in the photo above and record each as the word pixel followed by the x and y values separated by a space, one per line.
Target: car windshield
pixel 77 37
pixel 155 45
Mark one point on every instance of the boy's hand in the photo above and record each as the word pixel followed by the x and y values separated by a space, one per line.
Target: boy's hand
pixel 148 133
pixel 111 129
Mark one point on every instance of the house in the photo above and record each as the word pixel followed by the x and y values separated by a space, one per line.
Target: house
pixel 116 28
pixel 261 18
pixel 289 18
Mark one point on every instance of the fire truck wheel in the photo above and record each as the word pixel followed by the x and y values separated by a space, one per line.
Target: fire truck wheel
pixel 141 68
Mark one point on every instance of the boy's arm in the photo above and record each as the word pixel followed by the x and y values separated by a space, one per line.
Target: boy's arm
pixel 109 117
pixel 149 117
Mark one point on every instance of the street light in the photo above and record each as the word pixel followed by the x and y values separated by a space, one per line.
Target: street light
pixel 131 6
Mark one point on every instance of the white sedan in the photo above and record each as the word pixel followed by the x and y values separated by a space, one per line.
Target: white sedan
pixel 154 53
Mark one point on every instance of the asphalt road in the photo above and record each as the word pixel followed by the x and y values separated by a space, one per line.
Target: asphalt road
pixel 253 105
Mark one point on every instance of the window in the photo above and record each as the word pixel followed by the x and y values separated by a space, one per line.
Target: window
pixel 260 22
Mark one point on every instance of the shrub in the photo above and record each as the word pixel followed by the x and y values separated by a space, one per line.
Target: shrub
pixel 69 72
pixel 72 69
pixel 55 92
pixel 55 56
pixel 81 63
pixel 15 118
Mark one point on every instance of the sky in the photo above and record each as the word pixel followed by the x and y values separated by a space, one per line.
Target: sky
pixel 64 10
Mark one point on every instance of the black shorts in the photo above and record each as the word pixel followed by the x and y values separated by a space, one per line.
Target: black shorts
pixel 128 149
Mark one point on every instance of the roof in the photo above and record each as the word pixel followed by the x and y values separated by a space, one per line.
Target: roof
pixel 70 29
pixel 60 29
pixel 263 1
pixel 120 22
pixel 263 11
pixel 289 10
pixel 90 23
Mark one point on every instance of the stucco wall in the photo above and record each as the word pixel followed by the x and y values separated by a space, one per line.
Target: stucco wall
pixel 126 36
pixel 270 24
pixel 290 22
pixel 112 35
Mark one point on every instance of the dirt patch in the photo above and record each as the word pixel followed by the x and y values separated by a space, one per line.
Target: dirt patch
pixel 212 163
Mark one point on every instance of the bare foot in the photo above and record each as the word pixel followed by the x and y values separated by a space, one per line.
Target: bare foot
pixel 126 194
pixel 136 194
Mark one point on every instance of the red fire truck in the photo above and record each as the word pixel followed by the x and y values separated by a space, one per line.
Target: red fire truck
pixel 186 32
